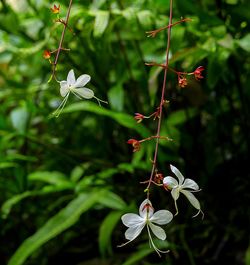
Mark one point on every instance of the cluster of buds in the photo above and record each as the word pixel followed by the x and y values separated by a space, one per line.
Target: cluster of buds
pixel 182 79
pixel 182 76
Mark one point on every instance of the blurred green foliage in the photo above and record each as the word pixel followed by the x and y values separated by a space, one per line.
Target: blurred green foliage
pixel 65 182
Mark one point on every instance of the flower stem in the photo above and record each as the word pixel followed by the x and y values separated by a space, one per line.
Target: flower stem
pixel 153 33
pixel 155 137
pixel 169 68
pixel 65 25
pixel 162 97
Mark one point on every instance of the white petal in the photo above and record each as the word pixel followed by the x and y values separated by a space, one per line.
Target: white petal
pixel 178 174
pixel 131 219
pixel 82 80
pixel 192 199
pixel 71 78
pixel 84 92
pixel 170 182
pixel 64 89
pixel 161 217
pixel 146 209
pixel 134 231
pixel 158 231
pixel 190 184
pixel 175 193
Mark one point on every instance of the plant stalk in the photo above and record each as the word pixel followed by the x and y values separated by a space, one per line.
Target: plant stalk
pixel 65 25
pixel 162 97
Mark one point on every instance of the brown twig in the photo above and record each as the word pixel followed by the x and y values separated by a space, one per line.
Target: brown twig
pixel 162 98
pixel 65 25
pixel 153 33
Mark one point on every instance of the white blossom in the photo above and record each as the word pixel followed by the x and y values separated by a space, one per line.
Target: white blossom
pixel 148 218
pixel 77 87
pixel 184 186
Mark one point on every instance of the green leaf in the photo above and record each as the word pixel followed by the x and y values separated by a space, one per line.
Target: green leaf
pixel 121 118
pixel 210 45
pixel 232 2
pixel 19 119
pixel 8 165
pixel 153 83
pixel 51 177
pixel 5 57
pixel 32 27
pixel 247 257
pixel 129 13
pixel 7 205
pixel 138 256
pixel 217 65
pixel 145 18
pixel 116 97
pixel 244 43
pixel 101 22
pixel 76 173
pixel 180 116
pixel 113 201
pixel 105 233
pixel 67 217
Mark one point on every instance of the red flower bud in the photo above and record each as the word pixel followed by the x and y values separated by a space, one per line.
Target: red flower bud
pixel 139 117
pixel 55 9
pixel 198 72
pixel 182 81
pixel 158 178
pixel 135 143
pixel 46 54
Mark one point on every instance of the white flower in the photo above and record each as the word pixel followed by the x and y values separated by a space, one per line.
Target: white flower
pixel 146 217
pixel 185 186
pixel 77 87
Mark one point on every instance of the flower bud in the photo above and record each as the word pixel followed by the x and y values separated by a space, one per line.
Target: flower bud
pixel 55 9
pixel 135 143
pixel 46 54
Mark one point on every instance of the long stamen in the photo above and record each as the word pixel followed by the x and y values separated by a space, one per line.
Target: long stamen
pixel 58 111
pixel 176 208
pixel 200 211
pixel 99 100
pixel 151 243
pixel 76 95
pixel 124 244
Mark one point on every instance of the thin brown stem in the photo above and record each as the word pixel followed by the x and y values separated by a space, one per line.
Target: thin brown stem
pixel 153 33
pixel 169 68
pixel 65 25
pixel 155 137
pixel 162 97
